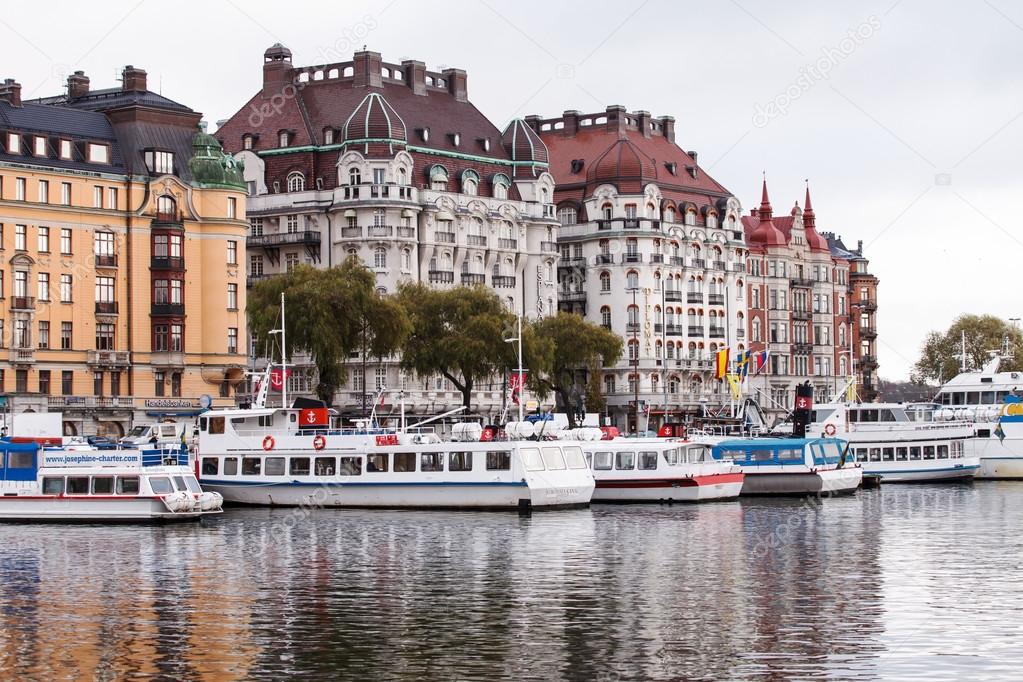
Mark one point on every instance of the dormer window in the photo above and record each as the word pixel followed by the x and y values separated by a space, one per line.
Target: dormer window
pixel 501 184
pixel 672 167
pixel 328 136
pixel 39 145
pixel 577 165
pixel 424 134
pixel 98 153
pixel 247 142
pixel 296 182
pixel 65 149
pixel 456 139
pixel 485 143
pixel 354 177
pixel 13 143
pixel 283 138
pixel 439 178
pixel 470 182
pixel 159 162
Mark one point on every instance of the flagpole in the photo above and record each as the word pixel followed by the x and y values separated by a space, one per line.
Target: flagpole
pixel 284 358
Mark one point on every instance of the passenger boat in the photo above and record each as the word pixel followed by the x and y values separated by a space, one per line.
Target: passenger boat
pixel 631 470
pixel 900 443
pixel 93 485
pixel 792 466
pixel 989 399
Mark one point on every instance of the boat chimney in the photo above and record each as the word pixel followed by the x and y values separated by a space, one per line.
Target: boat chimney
pixel 801 415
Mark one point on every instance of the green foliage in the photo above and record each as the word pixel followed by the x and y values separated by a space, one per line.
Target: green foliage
pixel 939 359
pixel 329 314
pixel 577 345
pixel 458 333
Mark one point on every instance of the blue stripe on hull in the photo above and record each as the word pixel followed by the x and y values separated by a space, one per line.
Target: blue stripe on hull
pixel 364 484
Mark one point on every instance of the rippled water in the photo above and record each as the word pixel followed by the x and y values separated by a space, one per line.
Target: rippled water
pixel 919 582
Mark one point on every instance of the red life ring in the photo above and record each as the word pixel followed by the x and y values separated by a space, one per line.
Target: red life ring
pixel 319 442
pixel 829 429
pixel 268 443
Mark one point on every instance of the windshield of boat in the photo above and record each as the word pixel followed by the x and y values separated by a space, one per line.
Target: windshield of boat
pixel 138 431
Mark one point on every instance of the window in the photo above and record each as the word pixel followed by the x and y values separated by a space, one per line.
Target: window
pixel 159 378
pixel 431 461
pixel 44 381
pixel 380 257
pixel 44 334
pixel 159 162
pixel 354 177
pixel 232 296
pixel 648 461
pixel 499 461
pixel 605 281
pixel 251 466
pixel 65 336
pixel 176 384
pixel 97 153
pixel 625 461
pixel 65 193
pixel 376 463
pixel 43 279
pixel 13 143
pixel 112 198
pixel 97 383
pixel 232 252
pixel 232 340
pixel 630 211
pixel 247 142
pixel 103 244
pixel 176 333
pixel 19 189
pixel 65 241
pixel 290 261
pixel 97 197
pixel 44 191
pixel 22 334
pixel 67 382
pixel 43 239
pixel 65 149
pixel 21 237
pixel 460 461
pixel 104 336
pixel 282 138
pixel 404 462
pixel 232 207
pixel 104 289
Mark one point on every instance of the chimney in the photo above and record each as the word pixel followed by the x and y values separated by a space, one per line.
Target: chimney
pixel 643 121
pixel 456 80
pixel 11 91
pixel 616 119
pixel 571 118
pixel 533 121
pixel 277 71
pixel 415 76
pixel 668 127
pixel 367 69
pixel 133 79
pixel 859 246
pixel 77 85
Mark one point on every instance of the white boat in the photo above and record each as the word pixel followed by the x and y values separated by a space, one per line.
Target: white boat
pixel 792 466
pixel 900 443
pixel 642 470
pixel 63 485
pixel 988 398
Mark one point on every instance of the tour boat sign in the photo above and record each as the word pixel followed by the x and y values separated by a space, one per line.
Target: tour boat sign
pixel 91 458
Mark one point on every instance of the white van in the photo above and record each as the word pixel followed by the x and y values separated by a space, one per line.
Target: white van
pixel 164 432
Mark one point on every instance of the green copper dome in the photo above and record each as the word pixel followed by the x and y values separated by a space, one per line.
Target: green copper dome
pixel 210 166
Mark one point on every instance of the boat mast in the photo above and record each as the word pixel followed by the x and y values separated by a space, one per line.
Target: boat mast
pixel 284 359
pixel 522 388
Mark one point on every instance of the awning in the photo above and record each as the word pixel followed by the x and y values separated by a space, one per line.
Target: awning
pixel 350 213
pixel 178 413
pixel 445 215
pixel 408 213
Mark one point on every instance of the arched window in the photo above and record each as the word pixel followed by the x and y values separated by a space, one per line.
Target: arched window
pixel 439 178
pixel 406 260
pixel 673 385
pixel 401 175
pixel 651 211
pixel 549 271
pixel 380 257
pixel 605 281
pixel 669 214
pixel 296 182
pixel 545 196
pixel 501 183
pixel 608 211
pixel 632 280
pixel 470 187
pixel 633 315
pixel 568 216
pixel 712 220
pixel 166 205
pixel 690 217
pixel 354 177
pixel 353 255
pixel 609 384
pixel 605 317
pixel 633 349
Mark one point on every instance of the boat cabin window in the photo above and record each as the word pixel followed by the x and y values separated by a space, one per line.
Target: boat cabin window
pixel 696 454
pixel 161 485
pixel 987 398
pixel 210 466
pixel 127 485
pixel 972 397
pixel 887 454
pixel 861 454
pixel 875 454
pixel 928 452
pixel 299 466
pixel 20 460
pixel 404 462
pixel 179 483
pixel 274 466
pixel 77 485
pixel 460 461
pixel 625 461
pixel 914 452
pixel 602 461
pixel 574 457
pixel 983 433
pixel 230 466
pixel 326 466
pixel 671 456
pixel 431 461
pixel 553 458
pixel 761 455
pixel 942 452
pixel 901 454
pixel 376 463
pixel 53 485
pixel 350 466
pixel 193 485
pixel 266 420
pixel 216 425
pixel 251 466
pixel 648 461
pixel 499 460
pixel 531 459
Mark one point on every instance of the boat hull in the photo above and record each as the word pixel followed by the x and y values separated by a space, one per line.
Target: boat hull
pixel 48 509
pixel 692 489
pixel 896 474
pixel 999 460
pixel 827 482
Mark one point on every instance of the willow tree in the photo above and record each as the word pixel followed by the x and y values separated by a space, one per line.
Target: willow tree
pixel 458 333
pixel 941 356
pixel 331 313
pixel 578 345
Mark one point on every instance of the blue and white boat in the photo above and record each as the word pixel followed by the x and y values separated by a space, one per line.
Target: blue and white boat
pixel 792 466
pixel 93 485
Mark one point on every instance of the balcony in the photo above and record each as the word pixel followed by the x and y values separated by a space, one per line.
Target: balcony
pixel 23 303
pixel 276 239
pixel 473 278
pixel 444 237
pixel 476 240
pixel 694 297
pixel 657 258
pixel 604 259
pixel 512 244
pixel 738 267
pixel 740 333
pixel 802 348
pixel 90 402
pixel 441 276
pixel 672 295
pixel 674 330
pixel 168 218
pixel 717 332
pixel 106 307
pixel 868 362
pixel 378 191
pixel 176 309
pixel 23 356
pixel 868 305
pixel 352 232
pixel 572 296
pixel 167 263
pixel 108 358
pixel 252 280
pixel 106 260
pixel 575 262
pixel 695 330
pixel 802 315
pixel 801 282
pixel 381 230
pixel 868 333
pixel 658 328
pixel 632 258
pixel 719 265
pixel 406 232
pixel 169 359
pixel 632 328
pixel 549 247
pixel 697 263
pixel 676 260
pixel 504 281
pixel 715 299
pixel 629 224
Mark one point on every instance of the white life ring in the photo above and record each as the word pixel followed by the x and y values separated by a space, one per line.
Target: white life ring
pixel 319 442
pixel 268 443
pixel 829 430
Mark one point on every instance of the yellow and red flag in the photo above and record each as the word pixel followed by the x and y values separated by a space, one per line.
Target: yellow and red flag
pixel 721 363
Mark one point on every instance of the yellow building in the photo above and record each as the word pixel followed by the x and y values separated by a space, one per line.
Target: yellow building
pixel 122 230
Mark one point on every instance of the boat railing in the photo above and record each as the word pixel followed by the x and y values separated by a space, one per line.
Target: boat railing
pixel 165 456
pixel 348 431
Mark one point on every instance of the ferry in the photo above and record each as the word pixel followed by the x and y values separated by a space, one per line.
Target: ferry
pixel 631 470
pixel 899 443
pixel 990 400
pixel 792 466
pixel 93 485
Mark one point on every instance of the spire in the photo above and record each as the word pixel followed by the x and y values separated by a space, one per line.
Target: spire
pixel 809 219
pixel 766 212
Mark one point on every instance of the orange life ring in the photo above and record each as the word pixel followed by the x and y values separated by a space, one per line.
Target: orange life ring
pixel 268 443
pixel 829 430
pixel 319 442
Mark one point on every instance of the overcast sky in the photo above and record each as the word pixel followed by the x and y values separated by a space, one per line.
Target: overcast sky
pixel 905 116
